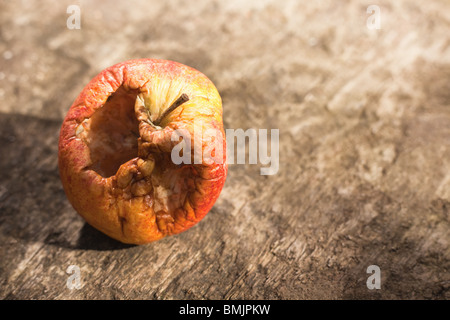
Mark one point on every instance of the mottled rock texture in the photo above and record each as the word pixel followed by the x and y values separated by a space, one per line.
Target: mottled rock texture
pixel 364 178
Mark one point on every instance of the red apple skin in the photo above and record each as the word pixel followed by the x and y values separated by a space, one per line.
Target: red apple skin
pixel 107 203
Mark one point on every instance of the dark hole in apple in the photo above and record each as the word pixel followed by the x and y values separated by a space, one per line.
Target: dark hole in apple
pixel 113 133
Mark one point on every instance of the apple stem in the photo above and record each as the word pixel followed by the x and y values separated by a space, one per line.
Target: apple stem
pixel 182 99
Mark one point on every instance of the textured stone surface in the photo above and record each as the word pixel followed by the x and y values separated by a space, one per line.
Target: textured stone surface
pixel 364 119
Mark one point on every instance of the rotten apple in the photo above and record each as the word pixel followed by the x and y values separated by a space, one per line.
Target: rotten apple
pixel 116 148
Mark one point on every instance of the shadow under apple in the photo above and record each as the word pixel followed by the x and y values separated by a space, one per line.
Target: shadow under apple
pixel 33 205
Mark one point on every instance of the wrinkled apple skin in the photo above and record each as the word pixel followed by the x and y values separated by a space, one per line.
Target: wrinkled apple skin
pixel 100 200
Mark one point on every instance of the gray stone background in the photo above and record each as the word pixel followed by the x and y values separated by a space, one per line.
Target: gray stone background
pixel 364 178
